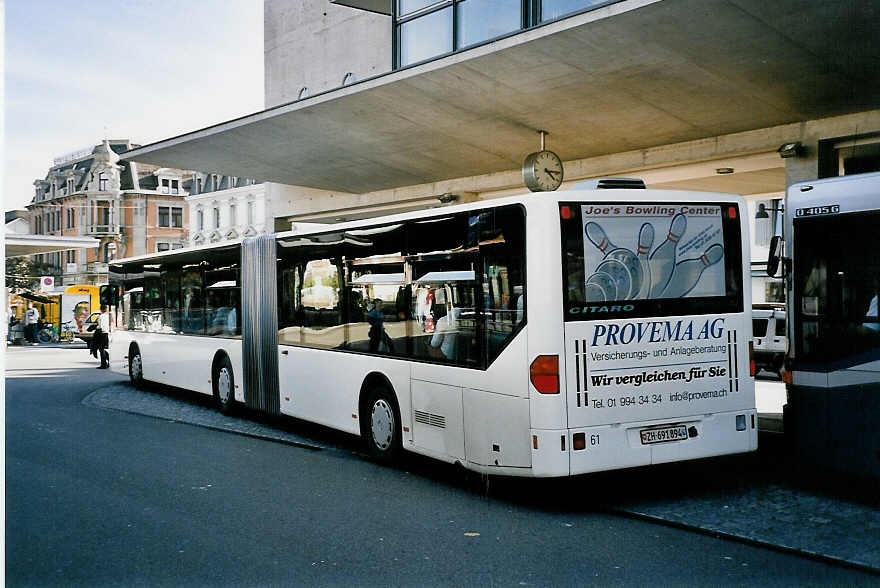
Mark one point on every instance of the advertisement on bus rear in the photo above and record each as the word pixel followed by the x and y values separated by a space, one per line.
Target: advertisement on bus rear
pixel 651 251
pixel 649 259
pixel 645 368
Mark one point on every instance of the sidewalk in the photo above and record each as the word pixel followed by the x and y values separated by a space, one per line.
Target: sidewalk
pixel 785 512
pixel 77 344
pixel 758 498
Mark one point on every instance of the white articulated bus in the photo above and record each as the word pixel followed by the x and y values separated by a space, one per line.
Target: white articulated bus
pixel 833 362
pixel 547 334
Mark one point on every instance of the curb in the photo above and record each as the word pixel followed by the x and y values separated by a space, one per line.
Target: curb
pixel 815 556
pixel 231 430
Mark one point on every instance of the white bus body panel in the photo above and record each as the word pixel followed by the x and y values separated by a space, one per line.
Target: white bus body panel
pixel 545 304
pixel 314 388
pixel 177 360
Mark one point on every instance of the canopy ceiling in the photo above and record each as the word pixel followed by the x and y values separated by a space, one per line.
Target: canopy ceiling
pixel 18 244
pixel 632 75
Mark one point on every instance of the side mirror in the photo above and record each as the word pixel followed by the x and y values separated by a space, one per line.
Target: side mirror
pixel 776 245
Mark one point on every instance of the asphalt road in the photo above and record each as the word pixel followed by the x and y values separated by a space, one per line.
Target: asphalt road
pixel 97 497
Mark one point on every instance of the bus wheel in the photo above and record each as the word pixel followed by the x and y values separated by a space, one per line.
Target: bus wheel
pixel 382 433
pixel 224 386
pixel 135 367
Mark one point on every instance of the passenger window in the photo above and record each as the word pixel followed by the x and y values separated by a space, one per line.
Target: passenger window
pixel 154 302
pixel 319 311
pixel 443 255
pixel 502 248
pixel 378 306
pixel 192 311
pixel 172 301
pixel 222 302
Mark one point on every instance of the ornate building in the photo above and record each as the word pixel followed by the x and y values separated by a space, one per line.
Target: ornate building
pixel 226 208
pixel 131 208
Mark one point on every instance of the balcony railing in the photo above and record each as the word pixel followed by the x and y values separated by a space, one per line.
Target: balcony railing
pixel 111 229
pixel 96 267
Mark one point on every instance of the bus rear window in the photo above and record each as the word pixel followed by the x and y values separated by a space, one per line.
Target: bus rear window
pixel 650 259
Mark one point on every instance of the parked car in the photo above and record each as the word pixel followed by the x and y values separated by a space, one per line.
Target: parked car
pixel 88 327
pixel 769 336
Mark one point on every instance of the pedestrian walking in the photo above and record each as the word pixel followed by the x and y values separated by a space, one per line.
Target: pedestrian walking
pixel 101 338
pixel 31 322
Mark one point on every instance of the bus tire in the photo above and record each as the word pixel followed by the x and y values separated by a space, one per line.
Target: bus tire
pixel 224 385
pixel 135 367
pixel 381 427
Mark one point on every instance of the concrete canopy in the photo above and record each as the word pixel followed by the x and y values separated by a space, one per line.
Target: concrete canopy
pixel 18 245
pixel 632 75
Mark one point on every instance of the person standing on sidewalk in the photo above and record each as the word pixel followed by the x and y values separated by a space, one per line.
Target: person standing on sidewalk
pixel 102 337
pixel 31 322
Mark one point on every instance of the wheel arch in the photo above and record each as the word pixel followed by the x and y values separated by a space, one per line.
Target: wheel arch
pixel 372 380
pixel 219 356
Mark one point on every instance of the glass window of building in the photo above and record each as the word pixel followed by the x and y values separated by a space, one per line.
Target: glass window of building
pixel 163 247
pixel 164 216
pixel 233 215
pixel 177 217
pixel 425 37
pixel 200 220
pixel 427 29
pixel 553 9
pixel 481 20
pixel 216 218
pixel 406 7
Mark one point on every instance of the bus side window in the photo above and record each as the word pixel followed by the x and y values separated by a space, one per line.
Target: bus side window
pixel 502 252
pixel 192 303
pixel 446 308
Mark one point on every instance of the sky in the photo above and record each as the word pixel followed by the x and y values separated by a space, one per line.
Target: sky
pixel 145 70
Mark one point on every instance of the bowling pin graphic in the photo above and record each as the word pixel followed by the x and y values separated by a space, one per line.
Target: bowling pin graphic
pixel 662 261
pixel 646 241
pixel 596 235
pixel 687 273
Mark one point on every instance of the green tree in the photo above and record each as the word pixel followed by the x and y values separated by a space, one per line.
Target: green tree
pixel 23 274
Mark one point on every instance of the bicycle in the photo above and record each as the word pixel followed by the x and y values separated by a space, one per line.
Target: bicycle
pixel 47 333
pixel 68 332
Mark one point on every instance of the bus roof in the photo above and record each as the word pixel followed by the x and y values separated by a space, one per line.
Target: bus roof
pixel 607 195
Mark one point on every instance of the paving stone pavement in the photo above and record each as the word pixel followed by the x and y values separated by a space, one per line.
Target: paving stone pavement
pixel 128 399
pixel 757 511
pixel 772 514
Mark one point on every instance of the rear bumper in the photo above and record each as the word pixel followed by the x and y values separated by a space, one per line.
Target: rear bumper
pixel 619 446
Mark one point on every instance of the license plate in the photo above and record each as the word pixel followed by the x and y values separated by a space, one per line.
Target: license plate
pixel 663 434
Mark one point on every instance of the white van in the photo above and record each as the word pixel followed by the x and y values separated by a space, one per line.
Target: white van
pixel 769 336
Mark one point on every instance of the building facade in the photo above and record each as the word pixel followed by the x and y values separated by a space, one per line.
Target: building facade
pixel 225 208
pixel 131 208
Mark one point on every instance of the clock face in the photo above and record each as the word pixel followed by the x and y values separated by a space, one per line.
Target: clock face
pixel 542 171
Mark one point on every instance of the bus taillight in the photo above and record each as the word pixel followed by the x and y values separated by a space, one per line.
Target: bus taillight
pixel 752 369
pixel 544 374
pixel 785 374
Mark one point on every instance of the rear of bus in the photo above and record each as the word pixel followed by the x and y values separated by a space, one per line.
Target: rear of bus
pixel 652 298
